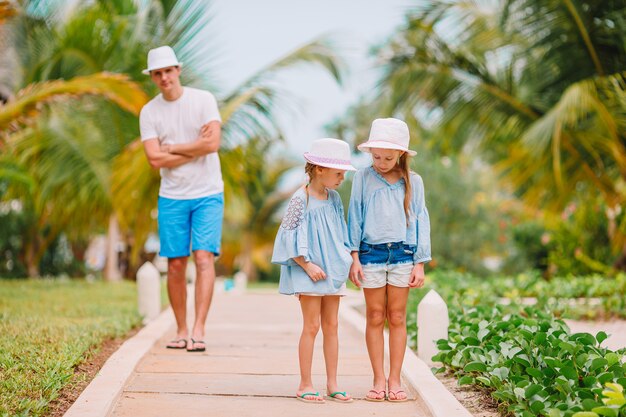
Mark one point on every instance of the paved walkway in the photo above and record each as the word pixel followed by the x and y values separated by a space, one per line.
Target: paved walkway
pixel 615 329
pixel 250 368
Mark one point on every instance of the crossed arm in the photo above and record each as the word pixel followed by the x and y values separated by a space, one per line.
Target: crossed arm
pixel 208 142
pixel 172 156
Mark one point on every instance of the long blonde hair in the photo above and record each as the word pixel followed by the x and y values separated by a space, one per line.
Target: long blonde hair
pixel 403 162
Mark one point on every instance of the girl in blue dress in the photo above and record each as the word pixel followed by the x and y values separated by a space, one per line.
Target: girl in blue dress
pixel 312 248
pixel 389 233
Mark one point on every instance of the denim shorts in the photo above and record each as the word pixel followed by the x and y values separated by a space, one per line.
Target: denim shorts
pixel 196 223
pixel 386 264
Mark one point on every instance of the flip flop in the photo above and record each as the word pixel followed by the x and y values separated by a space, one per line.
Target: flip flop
pixel 376 393
pixel 333 396
pixel 395 394
pixel 310 394
pixel 194 349
pixel 173 344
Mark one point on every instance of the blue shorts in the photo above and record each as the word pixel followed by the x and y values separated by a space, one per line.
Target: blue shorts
pixel 196 222
pixel 386 264
pixel 386 253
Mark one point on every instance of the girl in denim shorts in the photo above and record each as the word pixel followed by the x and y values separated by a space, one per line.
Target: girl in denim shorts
pixel 389 233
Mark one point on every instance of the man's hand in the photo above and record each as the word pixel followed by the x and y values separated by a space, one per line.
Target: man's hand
pixel 159 158
pixel 208 141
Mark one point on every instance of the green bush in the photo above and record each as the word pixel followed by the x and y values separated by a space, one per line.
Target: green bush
pixel 529 361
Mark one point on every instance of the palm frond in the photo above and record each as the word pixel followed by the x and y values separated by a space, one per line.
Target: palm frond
pixel 117 88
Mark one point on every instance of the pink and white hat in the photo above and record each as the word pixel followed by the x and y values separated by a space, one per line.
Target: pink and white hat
pixel 388 133
pixel 330 153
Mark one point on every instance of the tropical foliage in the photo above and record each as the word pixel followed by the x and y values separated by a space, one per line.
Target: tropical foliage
pixel 536 87
pixel 88 149
pixel 507 337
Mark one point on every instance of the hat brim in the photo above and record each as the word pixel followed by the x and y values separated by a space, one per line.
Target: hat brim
pixel 147 70
pixel 315 161
pixel 366 147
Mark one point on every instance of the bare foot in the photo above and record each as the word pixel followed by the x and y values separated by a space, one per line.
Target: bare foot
pixel 309 395
pixel 339 396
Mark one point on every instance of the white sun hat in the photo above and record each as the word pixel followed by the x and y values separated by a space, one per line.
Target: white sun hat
pixel 330 153
pixel 161 57
pixel 388 133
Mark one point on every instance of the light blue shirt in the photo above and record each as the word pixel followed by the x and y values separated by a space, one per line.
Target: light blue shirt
pixel 376 214
pixel 317 231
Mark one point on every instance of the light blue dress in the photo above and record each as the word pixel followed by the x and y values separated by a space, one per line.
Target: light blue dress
pixel 376 213
pixel 317 231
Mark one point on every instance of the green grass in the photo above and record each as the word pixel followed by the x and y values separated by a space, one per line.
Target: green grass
pixel 49 327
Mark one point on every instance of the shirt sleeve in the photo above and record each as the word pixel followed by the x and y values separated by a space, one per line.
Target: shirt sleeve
pixel 211 110
pixel 291 239
pixel 422 253
pixel 147 129
pixel 355 213
pixel 342 215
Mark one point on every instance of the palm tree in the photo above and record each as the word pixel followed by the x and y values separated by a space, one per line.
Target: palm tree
pixel 53 46
pixel 254 201
pixel 537 86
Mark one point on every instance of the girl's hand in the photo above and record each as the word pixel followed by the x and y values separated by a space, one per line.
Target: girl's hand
pixel 356 272
pixel 417 276
pixel 314 272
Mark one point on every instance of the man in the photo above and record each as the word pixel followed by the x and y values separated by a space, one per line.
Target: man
pixel 181 132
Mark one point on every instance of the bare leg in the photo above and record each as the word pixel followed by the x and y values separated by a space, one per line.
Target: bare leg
pixel 205 281
pixel 177 293
pixel 396 315
pixel 375 300
pixel 311 307
pixel 330 311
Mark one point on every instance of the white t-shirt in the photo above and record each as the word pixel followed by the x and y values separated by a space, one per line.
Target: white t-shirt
pixel 180 121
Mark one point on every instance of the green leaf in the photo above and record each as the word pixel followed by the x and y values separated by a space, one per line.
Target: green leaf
pixel 466 380
pixel 568 347
pixel 537 406
pixel 584 338
pixel 540 338
pixel 535 373
pixel 589 404
pixel 471 341
pixel 482 333
pixel 598 363
pixel 614 387
pixel 585 414
pixel 523 359
pixel 526 334
pixel 475 367
pixel 532 390
pixel 485 381
pixel 552 362
pixel 606 411
pixel 569 373
pixel 502 373
pixel 612 358
pixel 601 336
pixel 590 381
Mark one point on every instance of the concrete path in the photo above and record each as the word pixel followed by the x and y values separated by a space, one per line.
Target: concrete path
pixel 250 368
pixel 615 329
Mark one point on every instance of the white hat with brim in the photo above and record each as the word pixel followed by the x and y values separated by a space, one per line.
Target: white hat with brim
pixel 388 133
pixel 330 153
pixel 161 57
